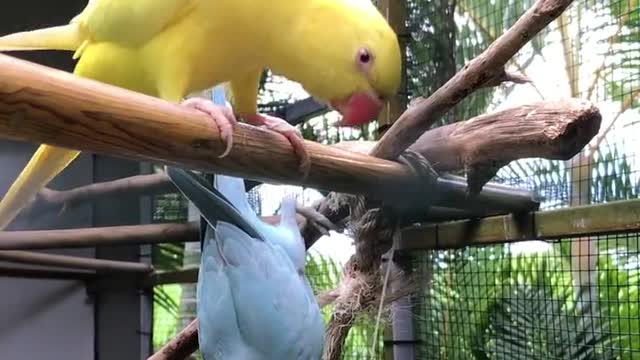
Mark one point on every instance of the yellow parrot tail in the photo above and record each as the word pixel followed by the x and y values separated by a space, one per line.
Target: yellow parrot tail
pixel 46 163
pixel 66 37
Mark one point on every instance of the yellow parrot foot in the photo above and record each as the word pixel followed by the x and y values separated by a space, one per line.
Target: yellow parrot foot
pixel 290 132
pixel 222 116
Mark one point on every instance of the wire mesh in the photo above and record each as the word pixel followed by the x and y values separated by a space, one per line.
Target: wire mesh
pixel 533 300
pixel 168 311
pixel 575 298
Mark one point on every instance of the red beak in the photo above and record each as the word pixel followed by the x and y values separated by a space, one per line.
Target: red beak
pixel 358 109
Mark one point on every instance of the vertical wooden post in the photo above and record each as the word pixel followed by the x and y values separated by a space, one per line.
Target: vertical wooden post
pixel 395 12
pixel 401 335
pixel 584 249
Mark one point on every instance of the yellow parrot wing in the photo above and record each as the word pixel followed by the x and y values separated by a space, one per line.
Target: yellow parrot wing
pixel 130 22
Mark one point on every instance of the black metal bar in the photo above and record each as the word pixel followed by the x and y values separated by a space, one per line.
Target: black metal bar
pixel 494 199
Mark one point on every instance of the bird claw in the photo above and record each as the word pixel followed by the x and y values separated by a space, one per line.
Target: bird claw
pixel 316 219
pixel 290 132
pixel 222 116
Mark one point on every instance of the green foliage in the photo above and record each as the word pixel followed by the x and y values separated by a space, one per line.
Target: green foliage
pixel 618 284
pixel 439 46
pixel 622 80
pixel 613 177
pixel 165 313
pixel 549 179
pixel 170 208
pixel 528 322
pixel 490 303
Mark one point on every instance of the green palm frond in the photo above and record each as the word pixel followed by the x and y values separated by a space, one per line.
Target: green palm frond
pixel 166 312
pixel 528 322
pixel 613 177
pixel 468 283
pixel 619 289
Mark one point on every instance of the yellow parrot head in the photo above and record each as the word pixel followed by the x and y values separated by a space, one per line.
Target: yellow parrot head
pixel 353 59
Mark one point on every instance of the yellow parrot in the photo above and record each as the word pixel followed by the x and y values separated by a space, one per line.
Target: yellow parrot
pixel 342 52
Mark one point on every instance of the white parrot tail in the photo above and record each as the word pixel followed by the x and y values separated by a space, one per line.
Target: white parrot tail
pixel 65 37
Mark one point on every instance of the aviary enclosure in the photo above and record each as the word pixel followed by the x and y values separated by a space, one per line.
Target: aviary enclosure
pixel 519 240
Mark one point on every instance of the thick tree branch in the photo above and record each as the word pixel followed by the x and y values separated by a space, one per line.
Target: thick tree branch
pixel 555 130
pixel 482 145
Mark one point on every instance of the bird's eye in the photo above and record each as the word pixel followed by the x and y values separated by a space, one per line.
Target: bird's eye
pixel 364 56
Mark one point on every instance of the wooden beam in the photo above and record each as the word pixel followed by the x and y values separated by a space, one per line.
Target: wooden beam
pixel 110 235
pixel 100 236
pixel 45 274
pixel 65 261
pixel 599 219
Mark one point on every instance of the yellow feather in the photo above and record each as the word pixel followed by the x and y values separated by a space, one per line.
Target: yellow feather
pixel 45 164
pixel 172 48
pixel 66 37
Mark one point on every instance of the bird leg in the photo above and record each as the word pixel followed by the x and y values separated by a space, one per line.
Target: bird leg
pixel 222 116
pixel 289 131
pixel 316 219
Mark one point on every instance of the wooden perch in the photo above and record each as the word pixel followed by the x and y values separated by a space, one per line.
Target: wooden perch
pixel 482 145
pixel 48 200
pixel 110 235
pixel 140 185
pixel 43 105
pixel 100 236
pixel 65 261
